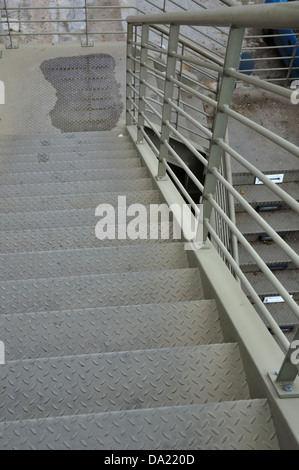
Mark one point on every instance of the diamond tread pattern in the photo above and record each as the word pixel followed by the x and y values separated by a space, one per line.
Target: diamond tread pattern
pixel 74 201
pixel 124 380
pixel 242 425
pixel 101 330
pixel 90 291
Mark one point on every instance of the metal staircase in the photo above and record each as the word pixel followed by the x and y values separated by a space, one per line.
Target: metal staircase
pixel 143 342
pixel 108 346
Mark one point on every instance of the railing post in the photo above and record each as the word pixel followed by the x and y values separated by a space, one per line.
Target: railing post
pixel 10 45
pixel 289 370
pixel 130 64
pixel 174 32
pixel 286 380
pixel 86 42
pixel 232 60
pixel 142 81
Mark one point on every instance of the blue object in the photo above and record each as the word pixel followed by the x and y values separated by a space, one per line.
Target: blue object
pixel 246 67
pixel 286 43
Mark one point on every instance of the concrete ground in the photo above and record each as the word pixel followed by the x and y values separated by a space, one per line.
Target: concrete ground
pixel 29 97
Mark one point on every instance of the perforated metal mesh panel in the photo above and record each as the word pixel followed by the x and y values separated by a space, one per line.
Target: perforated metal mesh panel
pixel 88 96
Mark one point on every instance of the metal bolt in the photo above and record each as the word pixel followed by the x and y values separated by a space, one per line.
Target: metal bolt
pixel 288 388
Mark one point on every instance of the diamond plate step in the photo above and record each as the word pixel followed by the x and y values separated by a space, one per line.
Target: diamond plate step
pixel 21 266
pixel 239 425
pixel 282 315
pixel 67 239
pixel 261 194
pixel 101 330
pixel 79 187
pixel 65 218
pixel 270 253
pixel 118 381
pixel 74 201
pixel 281 221
pixel 45 156
pixel 69 176
pixel 58 148
pixel 66 293
pixel 241 177
pixel 289 279
pixel 45 139
pixel 73 165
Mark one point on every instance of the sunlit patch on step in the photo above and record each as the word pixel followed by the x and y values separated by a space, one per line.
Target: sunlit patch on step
pixel 88 96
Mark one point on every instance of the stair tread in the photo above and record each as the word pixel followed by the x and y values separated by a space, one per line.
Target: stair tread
pixel 72 176
pixel 263 287
pixel 69 165
pixel 281 221
pixel 74 201
pixel 68 239
pixel 89 291
pixel 100 330
pixel 270 252
pixel 282 315
pixel 261 194
pixel 19 221
pixel 60 188
pixel 122 381
pixel 227 425
pixel 33 265
pixel 46 156
pixel 110 135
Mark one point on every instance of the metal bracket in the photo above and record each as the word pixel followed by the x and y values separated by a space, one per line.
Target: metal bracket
pixel 85 43
pixel 284 389
pixel 161 178
pixel 12 46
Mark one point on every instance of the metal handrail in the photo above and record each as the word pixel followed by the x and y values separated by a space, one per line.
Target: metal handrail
pixel 272 16
pixel 226 70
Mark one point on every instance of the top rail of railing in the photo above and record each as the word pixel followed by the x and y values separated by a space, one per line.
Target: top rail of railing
pixel 278 15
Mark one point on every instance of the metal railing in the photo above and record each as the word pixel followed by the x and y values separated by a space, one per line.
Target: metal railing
pixel 180 91
pixel 89 22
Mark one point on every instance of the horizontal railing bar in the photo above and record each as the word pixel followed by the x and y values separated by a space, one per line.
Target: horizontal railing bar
pixel 98 20
pixel 55 33
pixel 253 48
pixel 261 264
pixel 188 43
pixel 259 59
pixel 158 103
pixel 89 7
pixel 188 144
pixel 182 189
pixel 278 15
pixel 150 142
pixel 149 47
pixel 255 215
pixel 250 290
pixel 153 88
pixel 278 90
pixel 154 111
pixel 192 132
pixel 185 167
pixel 202 6
pixel 151 126
pixel 291 202
pixel 196 109
pixel 291 148
pixel 273 69
pixel 201 63
pixel 190 118
pixel 280 35
pixel 133 103
pixel 199 95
